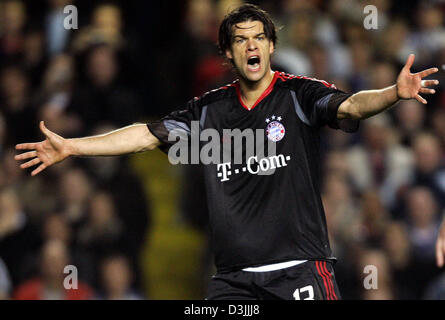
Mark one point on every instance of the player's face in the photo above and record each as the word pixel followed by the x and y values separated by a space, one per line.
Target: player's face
pixel 250 50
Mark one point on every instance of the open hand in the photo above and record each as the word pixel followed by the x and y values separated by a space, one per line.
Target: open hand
pixel 46 153
pixel 410 85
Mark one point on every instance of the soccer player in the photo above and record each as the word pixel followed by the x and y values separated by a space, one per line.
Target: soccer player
pixel 268 231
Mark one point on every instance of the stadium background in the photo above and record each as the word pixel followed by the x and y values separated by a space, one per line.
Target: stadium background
pixel 135 227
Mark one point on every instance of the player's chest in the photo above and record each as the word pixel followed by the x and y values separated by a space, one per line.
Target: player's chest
pixel 274 114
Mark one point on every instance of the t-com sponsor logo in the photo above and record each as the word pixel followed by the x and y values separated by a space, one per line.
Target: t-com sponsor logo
pixel 194 146
pixel 254 166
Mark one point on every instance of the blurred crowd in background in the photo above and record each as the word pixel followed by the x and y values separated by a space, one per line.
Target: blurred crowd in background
pixel 132 61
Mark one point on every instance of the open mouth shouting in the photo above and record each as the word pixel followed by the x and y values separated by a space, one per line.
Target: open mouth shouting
pixel 253 63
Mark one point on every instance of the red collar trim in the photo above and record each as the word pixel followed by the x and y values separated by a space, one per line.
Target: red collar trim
pixel 263 95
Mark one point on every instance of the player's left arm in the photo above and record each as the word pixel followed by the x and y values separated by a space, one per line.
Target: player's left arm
pixel 367 103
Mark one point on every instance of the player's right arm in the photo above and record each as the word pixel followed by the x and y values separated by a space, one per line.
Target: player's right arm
pixel 367 103
pixel 130 139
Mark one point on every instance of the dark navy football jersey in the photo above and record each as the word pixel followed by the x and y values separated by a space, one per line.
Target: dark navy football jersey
pixel 264 208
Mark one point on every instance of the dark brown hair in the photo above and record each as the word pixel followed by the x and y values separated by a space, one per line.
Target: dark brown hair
pixel 247 12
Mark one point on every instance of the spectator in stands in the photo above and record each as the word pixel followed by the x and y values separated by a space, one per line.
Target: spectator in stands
pixel 57 37
pixel 437 121
pixel 293 57
pixel 5 281
pixel 12 175
pixel 380 162
pixel 410 118
pixel 383 288
pixel 430 34
pixel 116 276
pixel 132 204
pixel 361 54
pixel 105 28
pixel 397 246
pixel 102 232
pixel 49 284
pixel 34 57
pixel 102 98
pixel 429 170
pixel 15 104
pixel 423 226
pixel 423 223
pixel 56 227
pixel 374 219
pixel 12 20
pixel 342 218
pixel 75 188
pixel 17 235
pixel 56 95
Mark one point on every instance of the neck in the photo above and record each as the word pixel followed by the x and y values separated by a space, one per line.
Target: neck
pixel 252 90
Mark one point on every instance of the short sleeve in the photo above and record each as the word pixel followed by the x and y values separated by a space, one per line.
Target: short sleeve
pixel 318 101
pixel 177 124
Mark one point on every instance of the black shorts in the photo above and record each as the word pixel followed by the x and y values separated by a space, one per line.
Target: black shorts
pixel 311 280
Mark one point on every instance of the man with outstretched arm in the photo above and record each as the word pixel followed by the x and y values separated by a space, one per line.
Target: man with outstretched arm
pixel 268 232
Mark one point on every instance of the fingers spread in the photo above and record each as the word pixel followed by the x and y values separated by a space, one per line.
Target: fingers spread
pixel 409 62
pixel 39 169
pixel 420 99
pixel 427 72
pixel 26 146
pixel 31 163
pixel 427 91
pixel 26 155
pixel 428 83
pixel 44 129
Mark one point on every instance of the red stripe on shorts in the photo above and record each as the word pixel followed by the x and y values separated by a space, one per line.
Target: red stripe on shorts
pixel 328 295
pixel 331 284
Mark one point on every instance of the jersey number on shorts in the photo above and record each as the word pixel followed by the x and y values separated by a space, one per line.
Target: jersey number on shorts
pixel 302 291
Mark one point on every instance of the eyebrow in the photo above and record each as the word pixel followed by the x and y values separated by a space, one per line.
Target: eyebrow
pixel 243 37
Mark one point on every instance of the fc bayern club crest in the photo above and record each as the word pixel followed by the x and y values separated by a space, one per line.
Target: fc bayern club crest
pixel 275 130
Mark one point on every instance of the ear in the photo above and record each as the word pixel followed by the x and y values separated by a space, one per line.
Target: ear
pixel 271 47
pixel 229 54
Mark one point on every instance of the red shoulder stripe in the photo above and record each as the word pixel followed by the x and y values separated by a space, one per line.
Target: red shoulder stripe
pixel 286 76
